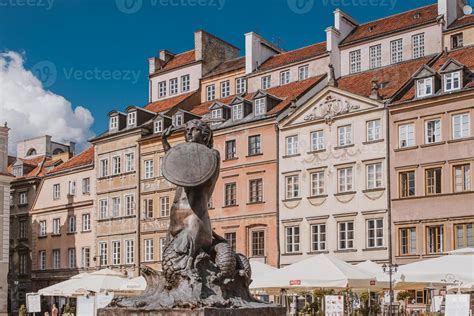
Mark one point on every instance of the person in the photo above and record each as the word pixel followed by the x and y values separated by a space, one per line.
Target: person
pixel 54 310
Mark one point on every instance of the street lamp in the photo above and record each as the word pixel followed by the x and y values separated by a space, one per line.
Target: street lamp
pixel 390 269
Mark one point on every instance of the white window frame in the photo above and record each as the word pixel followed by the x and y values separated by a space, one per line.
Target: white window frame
pixel 237 111
pixel 56 255
pixel 374 176
pixel 71 258
pixel 424 87
pixel 317 183
pixel 116 206
pixel 241 85
pixel 173 86
pixel 344 135
pixel 260 106
pixel 158 126
pixel 375 56
pixel 292 239
pixel 343 229
pixel 148 170
pixel 396 51
pixel 216 114
pixel 23 198
pixel 103 208
pixel 116 165
pixel 452 81
pixel 317 140
pixel 56 226
pixel 433 136
pixel 284 77
pixel 210 92
pixel 129 162
pixel 185 83
pixel 374 130
pixel 292 186
pixel 148 248
pixel 86 185
pixel 71 224
pixel 292 146
pixel 318 242
pixel 303 72
pixel 86 222
pixel 129 251
pixel 113 122
pixel 266 82
pixel 103 253
pixel 42 259
pixel 178 119
pixel 406 135
pixel 85 257
pixel 129 204
pixel 225 88
pixel 418 45
pixel 464 130
pixel 377 240
pixel 56 191
pixel 42 231
pixel 72 187
pixel 161 89
pixel 104 167
pixel 116 252
pixel 345 179
pixel 355 61
pixel 132 118
pixel 164 206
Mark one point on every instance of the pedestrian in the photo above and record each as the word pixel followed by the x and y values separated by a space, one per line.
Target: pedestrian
pixel 54 310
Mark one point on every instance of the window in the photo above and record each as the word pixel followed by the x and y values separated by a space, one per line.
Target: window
pixel 457 40
pixel 129 162
pixel 162 89
pixel 292 187
pixel 103 253
pixel 237 111
pixel 373 130
pixel 374 233
pixel 210 203
pixel 452 81
pixel 317 140
pixel 396 51
pixel 160 161
pixel 346 235
pixel 284 77
pixel 148 208
pixel 292 239
pixel 464 236
pixel 462 178
pixel 113 123
pixel 56 226
pixel 241 85
pixel 42 260
pixel 86 222
pixel 158 126
pixel 408 241
pixel 418 42
pixel 104 168
pixel 129 205
pixel 260 106
pixel 344 179
pixel 173 86
pixel 374 175
pixel 18 171
pixel 72 188
pixel 22 229
pixel 178 119
pixel 103 209
pixel 86 185
pixel 115 252
pixel 115 206
pixel 211 92
pixel 230 194
pixel 407 183
pixel 164 206
pixel 162 247
pixel 354 61
pixel 71 224
pixel 225 89
pixel 256 190
pixel 432 131
pixel 71 255
pixel 56 191
pixel 42 231
pixel 148 169
pixel 148 249
pixel 434 239
pixel 461 126
pixel 406 135
pixel 266 82
pixel 85 257
pixel 258 243
pixel 56 259
pixel 317 183
pixel 292 145
pixel 22 264
pixel 255 146
pixel 303 72
pixel 344 135
pixel 132 118
pixel 230 150
pixel 129 251
pixel 318 237
pixel 375 56
pixel 231 240
pixel 433 181
pixel 23 198
pixel 185 83
pixel 216 114
pixel 424 87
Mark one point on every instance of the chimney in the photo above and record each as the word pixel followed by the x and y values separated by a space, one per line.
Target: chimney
pixel 154 64
pixel 166 55
pixel 4 147
pixel 212 50
pixel 72 148
pixel 451 10
pixel 257 51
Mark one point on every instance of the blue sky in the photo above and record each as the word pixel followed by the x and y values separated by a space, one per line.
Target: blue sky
pixel 99 49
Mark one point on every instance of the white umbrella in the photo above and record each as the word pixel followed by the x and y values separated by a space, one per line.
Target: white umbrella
pixel 462 251
pixel 104 280
pixel 66 288
pixel 375 270
pixel 261 274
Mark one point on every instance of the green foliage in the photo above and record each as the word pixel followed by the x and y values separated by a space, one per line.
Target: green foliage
pixel 67 309
pixel 23 311
pixel 401 296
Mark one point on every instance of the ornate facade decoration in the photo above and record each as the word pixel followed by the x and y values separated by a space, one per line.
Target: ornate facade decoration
pixel 329 109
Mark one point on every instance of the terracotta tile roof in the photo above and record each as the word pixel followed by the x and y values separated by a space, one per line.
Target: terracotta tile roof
pixel 84 158
pixel 392 78
pixel 179 60
pixel 294 56
pixel 38 165
pixel 228 66
pixel 392 24
pixel 164 105
pixel 203 108
pixel 462 21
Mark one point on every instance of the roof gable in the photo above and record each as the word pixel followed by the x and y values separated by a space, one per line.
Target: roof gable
pixel 424 71
pixel 451 65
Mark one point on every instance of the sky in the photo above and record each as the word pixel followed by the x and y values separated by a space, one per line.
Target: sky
pixel 64 64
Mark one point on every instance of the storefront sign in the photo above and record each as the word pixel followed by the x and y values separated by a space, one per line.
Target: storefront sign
pixel 295 282
pixel 457 305
pixel 334 305
pixel 33 303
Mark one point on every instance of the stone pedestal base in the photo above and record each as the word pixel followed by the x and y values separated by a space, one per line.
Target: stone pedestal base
pixel 207 311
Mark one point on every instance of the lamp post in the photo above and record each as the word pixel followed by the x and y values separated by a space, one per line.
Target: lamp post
pixel 390 269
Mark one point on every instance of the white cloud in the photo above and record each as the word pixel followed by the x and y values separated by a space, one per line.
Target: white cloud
pixel 32 111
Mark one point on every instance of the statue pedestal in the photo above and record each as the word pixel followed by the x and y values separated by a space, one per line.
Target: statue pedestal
pixel 270 310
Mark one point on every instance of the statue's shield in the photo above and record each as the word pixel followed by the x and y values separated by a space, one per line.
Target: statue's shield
pixel 189 164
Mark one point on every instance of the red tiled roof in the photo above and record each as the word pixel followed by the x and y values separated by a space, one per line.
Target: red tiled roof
pixel 392 78
pixel 294 56
pixel 203 108
pixel 179 60
pixel 228 66
pixel 84 158
pixel 167 104
pixel 462 21
pixel 38 164
pixel 392 24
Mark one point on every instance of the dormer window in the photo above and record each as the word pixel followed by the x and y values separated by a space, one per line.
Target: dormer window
pixel 237 111
pixel 260 106
pixel 424 87
pixel 113 123
pixel 132 119
pixel 158 126
pixel 18 171
pixel 178 119
pixel 216 114
pixel 452 81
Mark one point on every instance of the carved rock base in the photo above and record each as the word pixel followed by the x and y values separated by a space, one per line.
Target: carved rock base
pixel 207 311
